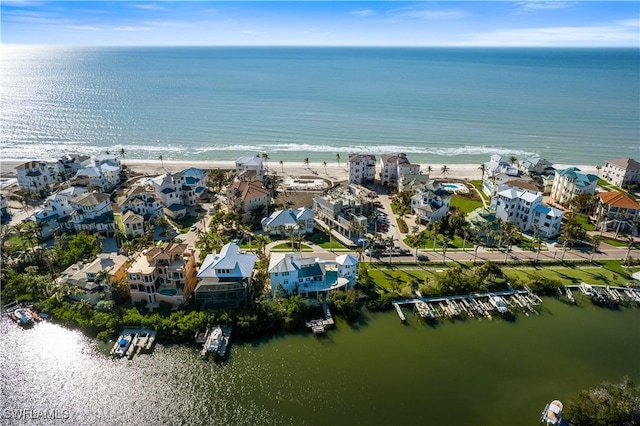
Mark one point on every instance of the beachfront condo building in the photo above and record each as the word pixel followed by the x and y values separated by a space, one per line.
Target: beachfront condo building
pixel 430 202
pixel 102 177
pixel 250 167
pixel 289 222
pixel 68 165
pixel 35 176
pixel 393 168
pixel 622 172
pixel 92 212
pixel 166 273
pixel 224 278
pixel 617 212
pixel 143 201
pixel 179 191
pixel 568 183
pixel 362 168
pixel 293 273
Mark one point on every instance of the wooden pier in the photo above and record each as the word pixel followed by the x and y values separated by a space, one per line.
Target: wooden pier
pixel 142 341
pixel 608 295
pixel 319 326
pixel 400 313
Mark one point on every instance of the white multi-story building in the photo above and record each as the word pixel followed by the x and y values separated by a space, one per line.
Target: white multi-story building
pixel 345 209
pixel 35 176
pixel 142 200
pixel 68 165
pixel 179 191
pixel 570 182
pixel 56 210
pixel 496 171
pixel 92 212
pixel 250 167
pixel 103 177
pixel 224 278
pixel 393 168
pixel 295 273
pixel 289 221
pixel 133 224
pixel 520 202
pixel 165 273
pixel 247 196
pixel 430 202
pixel 621 172
pixel 362 168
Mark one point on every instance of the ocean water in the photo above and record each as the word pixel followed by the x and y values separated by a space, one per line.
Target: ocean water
pixel 572 106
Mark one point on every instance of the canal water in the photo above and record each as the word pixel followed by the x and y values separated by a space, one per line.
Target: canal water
pixel 378 372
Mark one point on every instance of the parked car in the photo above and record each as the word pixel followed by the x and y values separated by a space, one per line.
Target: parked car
pixel 193 227
pixel 423 258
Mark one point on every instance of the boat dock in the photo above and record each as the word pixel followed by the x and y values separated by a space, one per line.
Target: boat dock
pixel 608 295
pixel 471 305
pixel 319 326
pixel 141 342
pixel 22 314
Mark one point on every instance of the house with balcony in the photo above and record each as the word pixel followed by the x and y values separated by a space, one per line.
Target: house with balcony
pixel 133 224
pixel 68 165
pixel 293 273
pixel 224 279
pixel 520 202
pixel 90 279
pixel 143 201
pixel 621 172
pixel 617 212
pixel 166 273
pixel 289 222
pixel 430 202
pixel 103 177
pixel 568 183
pixel 92 212
pixel 249 197
pixel 535 166
pixel 394 168
pixel 56 210
pixel 250 167
pixel 177 192
pixel 345 209
pixel 496 171
pixel 36 176
pixel 362 168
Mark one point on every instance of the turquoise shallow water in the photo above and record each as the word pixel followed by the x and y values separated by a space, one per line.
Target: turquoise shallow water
pixel 438 105
pixel 378 372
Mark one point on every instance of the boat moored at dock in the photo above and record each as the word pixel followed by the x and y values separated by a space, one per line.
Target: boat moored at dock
pixel 552 413
pixel 132 341
pixel 217 342
pixel 23 315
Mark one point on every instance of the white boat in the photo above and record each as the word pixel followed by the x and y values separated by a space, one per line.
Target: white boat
pixel 552 413
pixel 499 303
pixel 122 346
pixel 22 316
pixel 212 345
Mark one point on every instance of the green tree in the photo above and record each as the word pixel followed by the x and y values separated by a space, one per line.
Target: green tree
pixel 606 404
pixel 338 159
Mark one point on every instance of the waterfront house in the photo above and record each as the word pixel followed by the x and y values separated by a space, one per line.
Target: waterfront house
pixel 362 168
pixel 294 273
pixel 250 167
pixel 224 278
pixel 430 202
pixel 288 222
pixel 621 172
pixel 142 200
pixel 92 212
pixel 617 212
pixel 164 273
pixel 35 176
pixel 133 224
pixel 103 177
pixel 249 198
pixel 106 157
pixel 568 183
pixel 345 208
pixel 536 166
pixel 177 192
pixel 90 279
pixel 68 165
pixel 396 167
pixel 56 209
pixel 496 171
pixel 520 202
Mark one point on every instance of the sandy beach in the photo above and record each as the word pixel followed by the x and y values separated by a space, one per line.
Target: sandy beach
pixel 331 171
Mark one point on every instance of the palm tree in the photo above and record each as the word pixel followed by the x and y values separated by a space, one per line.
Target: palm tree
pixel 429 169
pixel 161 160
pixel 538 242
pixel 338 159
pixel 630 242
pixel 598 167
pixel 513 160
pixel 482 169
pixel 282 166
pixel 414 239
pixel 306 162
pixel 324 164
pixel 390 244
pixel 476 242
pixel 122 154
pixel 265 157
pixel 445 245
pixel 444 170
pixel 596 240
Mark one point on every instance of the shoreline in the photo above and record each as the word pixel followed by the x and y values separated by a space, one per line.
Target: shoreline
pixel 332 170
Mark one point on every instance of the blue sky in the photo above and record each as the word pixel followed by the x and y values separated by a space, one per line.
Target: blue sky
pixel 327 23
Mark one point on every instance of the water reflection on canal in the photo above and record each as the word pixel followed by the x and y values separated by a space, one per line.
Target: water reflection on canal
pixel 377 373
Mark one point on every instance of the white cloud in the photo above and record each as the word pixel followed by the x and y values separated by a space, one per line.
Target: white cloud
pixel 131 28
pixel 168 24
pixel 84 28
pixel 597 35
pixel 251 32
pixel 536 5
pixel 148 6
pixel 629 22
pixel 363 13
pixel 419 12
pixel 21 3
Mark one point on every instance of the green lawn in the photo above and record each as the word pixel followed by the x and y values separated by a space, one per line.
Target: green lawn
pixel 616 243
pixel 287 247
pixel 384 277
pixel 478 185
pixel 15 240
pixel 321 239
pixel 464 204
pixel 584 221
pixel 455 243
pixel 118 219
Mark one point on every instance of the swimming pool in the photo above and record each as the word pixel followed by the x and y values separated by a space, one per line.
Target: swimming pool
pixel 168 291
pixel 456 187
